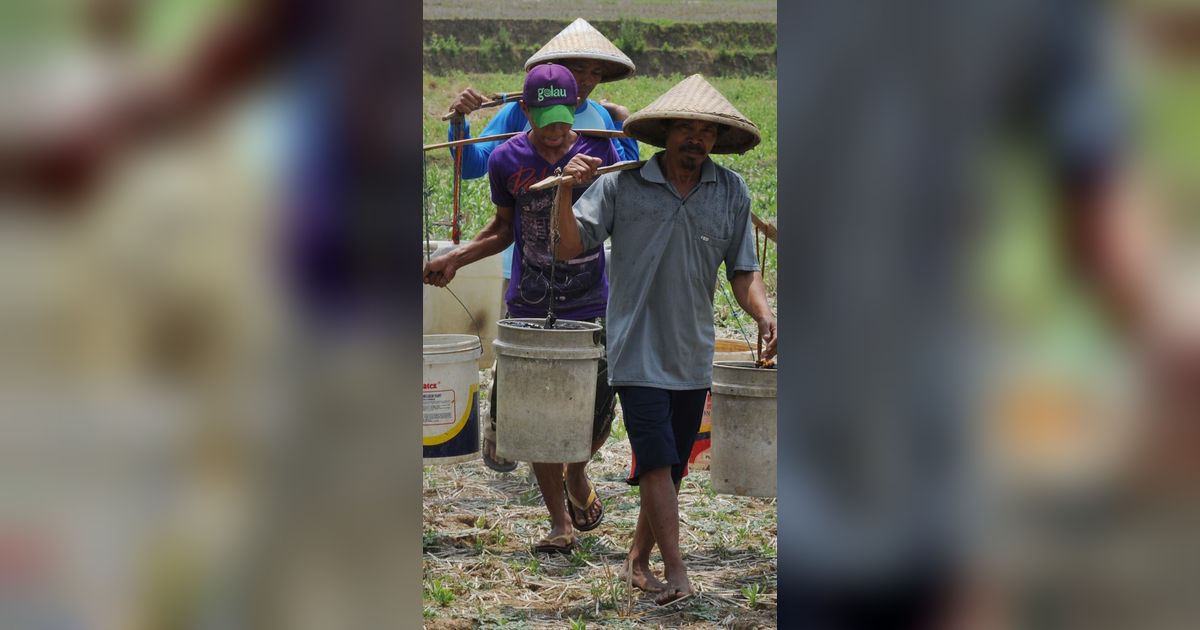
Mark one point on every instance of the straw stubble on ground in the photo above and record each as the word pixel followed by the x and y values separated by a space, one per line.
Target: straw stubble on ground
pixel 479 571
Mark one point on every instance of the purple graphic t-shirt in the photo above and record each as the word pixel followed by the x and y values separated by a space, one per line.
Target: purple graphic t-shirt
pixel 580 284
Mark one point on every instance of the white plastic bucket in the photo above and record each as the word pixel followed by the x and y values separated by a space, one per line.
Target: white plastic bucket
pixel 546 390
pixel 724 350
pixel 743 429
pixel 480 287
pixel 450 399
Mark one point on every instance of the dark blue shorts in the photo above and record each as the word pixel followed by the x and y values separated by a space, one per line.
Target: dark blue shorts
pixel 662 426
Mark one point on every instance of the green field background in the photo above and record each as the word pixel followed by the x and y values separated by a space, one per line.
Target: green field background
pixel 754 97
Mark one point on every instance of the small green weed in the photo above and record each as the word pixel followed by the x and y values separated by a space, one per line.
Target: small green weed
pixel 743 534
pixel 618 433
pixel 588 543
pixel 578 623
pixel 752 592
pixel 581 557
pixel 440 593
pixel 598 588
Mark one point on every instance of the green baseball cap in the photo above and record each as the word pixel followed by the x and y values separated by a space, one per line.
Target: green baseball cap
pixel 542 116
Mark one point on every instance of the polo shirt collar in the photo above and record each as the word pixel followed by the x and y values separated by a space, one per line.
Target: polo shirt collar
pixel 651 171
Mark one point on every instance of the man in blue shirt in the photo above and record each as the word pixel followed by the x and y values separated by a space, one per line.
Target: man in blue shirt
pixel 592 59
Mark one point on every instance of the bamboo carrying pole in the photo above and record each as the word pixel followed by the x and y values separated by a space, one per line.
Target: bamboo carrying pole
pixel 499 98
pixel 457 143
pixel 601 133
pixel 459 132
pixel 768 229
pixel 554 180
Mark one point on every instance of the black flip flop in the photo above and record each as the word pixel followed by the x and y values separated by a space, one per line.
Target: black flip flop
pixel 592 499
pixel 551 545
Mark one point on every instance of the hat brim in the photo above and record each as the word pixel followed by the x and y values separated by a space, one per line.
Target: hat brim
pixel 650 127
pixel 542 116
pixel 615 68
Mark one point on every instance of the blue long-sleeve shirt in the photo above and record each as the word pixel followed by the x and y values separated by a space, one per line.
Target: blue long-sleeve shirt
pixel 590 115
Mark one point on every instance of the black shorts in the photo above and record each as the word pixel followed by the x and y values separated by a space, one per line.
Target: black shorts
pixel 606 399
pixel 662 426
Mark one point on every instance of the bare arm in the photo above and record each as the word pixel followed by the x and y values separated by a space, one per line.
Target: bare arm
pixel 751 294
pixel 491 240
pixel 583 169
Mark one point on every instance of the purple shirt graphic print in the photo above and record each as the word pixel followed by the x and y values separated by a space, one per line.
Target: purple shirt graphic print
pixel 580 286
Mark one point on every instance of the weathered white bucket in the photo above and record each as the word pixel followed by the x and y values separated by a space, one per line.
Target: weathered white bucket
pixel 480 287
pixel 546 389
pixel 450 399
pixel 743 429
pixel 723 350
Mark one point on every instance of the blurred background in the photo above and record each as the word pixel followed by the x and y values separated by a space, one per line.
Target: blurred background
pixel 197 363
pixel 1092 413
pixel 199 332
pixel 989 274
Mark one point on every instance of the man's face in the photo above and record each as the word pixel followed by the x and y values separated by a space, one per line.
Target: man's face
pixel 553 135
pixel 588 73
pixel 690 141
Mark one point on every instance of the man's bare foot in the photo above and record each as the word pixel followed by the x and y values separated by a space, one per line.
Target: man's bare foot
pixel 641 577
pixel 672 594
pixel 677 588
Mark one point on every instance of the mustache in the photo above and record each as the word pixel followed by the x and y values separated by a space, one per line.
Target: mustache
pixel 692 148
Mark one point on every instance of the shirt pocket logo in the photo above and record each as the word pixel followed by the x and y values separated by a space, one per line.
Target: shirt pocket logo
pixel 714 241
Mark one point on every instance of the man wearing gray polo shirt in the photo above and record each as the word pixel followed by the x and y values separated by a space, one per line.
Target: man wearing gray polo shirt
pixel 672 223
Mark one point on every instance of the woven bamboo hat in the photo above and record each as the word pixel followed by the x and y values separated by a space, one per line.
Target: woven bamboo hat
pixel 694 98
pixel 580 40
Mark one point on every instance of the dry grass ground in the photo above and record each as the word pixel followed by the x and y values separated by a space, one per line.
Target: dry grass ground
pixel 479 571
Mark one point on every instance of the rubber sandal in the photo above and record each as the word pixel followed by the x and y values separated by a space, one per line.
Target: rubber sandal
pixel 490 459
pixel 573 505
pixel 561 544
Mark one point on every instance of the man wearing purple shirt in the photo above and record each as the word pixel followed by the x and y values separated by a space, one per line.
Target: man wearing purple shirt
pixel 580 287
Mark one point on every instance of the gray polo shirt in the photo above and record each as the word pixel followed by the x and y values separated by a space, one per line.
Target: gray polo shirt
pixel 666 250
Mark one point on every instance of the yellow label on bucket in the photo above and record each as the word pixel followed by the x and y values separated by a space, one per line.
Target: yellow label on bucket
pixel 440 404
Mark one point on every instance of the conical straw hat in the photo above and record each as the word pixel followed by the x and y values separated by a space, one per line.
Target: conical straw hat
pixel 694 98
pixel 581 40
